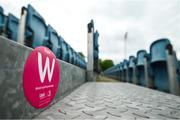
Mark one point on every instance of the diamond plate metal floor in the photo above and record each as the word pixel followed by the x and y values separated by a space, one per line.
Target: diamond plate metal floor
pixel 111 101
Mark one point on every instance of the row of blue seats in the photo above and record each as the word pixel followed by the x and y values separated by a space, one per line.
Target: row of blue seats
pixel 8 25
pixel 37 33
pixel 157 66
pixel 96 46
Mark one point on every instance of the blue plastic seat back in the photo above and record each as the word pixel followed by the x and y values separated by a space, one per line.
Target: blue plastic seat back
pixel 96 46
pixel 96 56
pixel 75 57
pixel 158 50
pixel 78 60
pixel 84 64
pixel 70 54
pixel 36 29
pixel 178 71
pixel 67 49
pixel 96 36
pixel 12 27
pixel 81 62
pixel 140 57
pixel 130 75
pixel 72 51
pixel 64 46
pixel 117 70
pixel 131 61
pixel 1 15
pixel 2 19
pixel 141 75
pixel 121 66
pixel 177 67
pixel 160 76
pixel 121 69
pixel 55 41
pixel 125 64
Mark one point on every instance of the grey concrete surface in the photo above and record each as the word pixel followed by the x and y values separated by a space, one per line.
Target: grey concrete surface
pixel 91 76
pixel 115 101
pixel 13 103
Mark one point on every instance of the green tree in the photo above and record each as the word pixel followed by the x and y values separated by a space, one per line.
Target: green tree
pixel 105 64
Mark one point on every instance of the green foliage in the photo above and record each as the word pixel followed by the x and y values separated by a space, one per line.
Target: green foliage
pixel 105 64
pixel 81 54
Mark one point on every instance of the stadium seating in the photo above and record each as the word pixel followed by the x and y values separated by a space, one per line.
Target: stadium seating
pixel 12 27
pixel 125 70
pixel 74 57
pixel 2 20
pixel 96 46
pixel 121 71
pixel 64 47
pixel 37 33
pixel 35 29
pixel 131 66
pixel 140 67
pixel 159 64
pixel 54 41
pixel 69 53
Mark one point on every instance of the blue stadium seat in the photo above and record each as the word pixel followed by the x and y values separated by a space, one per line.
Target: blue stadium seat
pixel 77 59
pixel 2 20
pixel 140 67
pixel 76 54
pixel 159 64
pixel 125 68
pixel 150 83
pixel 131 66
pixel 117 71
pixel 84 64
pixel 35 29
pixel 178 71
pixel 123 76
pixel 96 54
pixel 121 71
pixel 74 57
pixel 55 42
pixel 70 53
pixel 64 47
pixel 81 62
pixel 12 27
pixel 96 46
pixel 96 36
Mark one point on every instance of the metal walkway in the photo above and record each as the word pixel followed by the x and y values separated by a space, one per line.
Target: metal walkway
pixel 111 101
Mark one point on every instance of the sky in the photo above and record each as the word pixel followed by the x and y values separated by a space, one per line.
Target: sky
pixel 144 20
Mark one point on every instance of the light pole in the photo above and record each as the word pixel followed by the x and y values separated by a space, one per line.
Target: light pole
pixel 125 44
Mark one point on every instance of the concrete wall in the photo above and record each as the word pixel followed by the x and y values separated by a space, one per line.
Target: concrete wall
pixel 13 103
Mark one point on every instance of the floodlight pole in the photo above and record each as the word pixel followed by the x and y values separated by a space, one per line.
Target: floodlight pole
pixel 125 44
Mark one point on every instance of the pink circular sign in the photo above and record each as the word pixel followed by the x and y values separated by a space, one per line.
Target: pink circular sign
pixel 41 77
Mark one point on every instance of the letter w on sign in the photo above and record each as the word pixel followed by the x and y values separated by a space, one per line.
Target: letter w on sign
pixel 42 73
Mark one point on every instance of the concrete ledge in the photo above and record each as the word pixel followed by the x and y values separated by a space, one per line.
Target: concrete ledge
pixel 13 103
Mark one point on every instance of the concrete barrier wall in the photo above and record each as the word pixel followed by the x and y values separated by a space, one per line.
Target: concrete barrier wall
pixel 13 103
